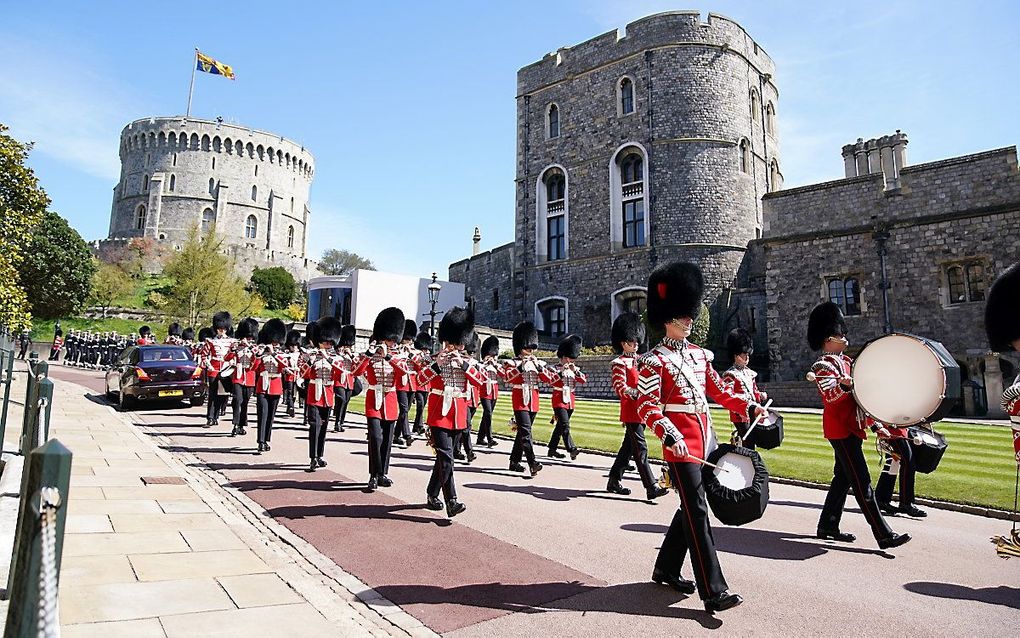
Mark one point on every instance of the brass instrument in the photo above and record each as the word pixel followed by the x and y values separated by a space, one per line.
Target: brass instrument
pixel 1007 546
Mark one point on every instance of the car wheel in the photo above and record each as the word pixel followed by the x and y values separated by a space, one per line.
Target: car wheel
pixel 110 395
pixel 126 403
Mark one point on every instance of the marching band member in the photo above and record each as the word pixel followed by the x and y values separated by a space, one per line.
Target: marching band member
pixel 627 334
pixel 145 337
pixel 292 360
pixel 463 439
pixel 673 380
pixel 405 385
pixel 843 426
pixel 240 359
pixel 524 373
pixel 490 389
pixel 449 379
pixel 214 353
pixel 380 367
pixel 1002 323
pixel 188 337
pixel 173 334
pixel 344 389
pixel 422 352
pixel 321 369
pixel 898 462
pixel 565 377
pixel 741 380
pixel 269 367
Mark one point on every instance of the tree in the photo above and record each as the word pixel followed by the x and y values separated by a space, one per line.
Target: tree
pixel 343 262
pixel 138 255
pixel 109 283
pixel 204 282
pixel 276 285
pixel 57 271
pixel 22 205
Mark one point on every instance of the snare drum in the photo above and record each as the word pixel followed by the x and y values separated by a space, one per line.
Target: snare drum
pixel 768 434
pixel 738 490
pixel 927 447
pixel 904 380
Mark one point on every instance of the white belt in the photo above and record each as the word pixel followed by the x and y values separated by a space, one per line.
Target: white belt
pixel 566 391
pixel 319 384
pixel 266 376
pixel 448 394
pixel 1015 420
pixel 527 389
pixel 380 393
pixel 684 408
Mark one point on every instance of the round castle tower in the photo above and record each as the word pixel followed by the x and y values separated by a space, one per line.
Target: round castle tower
pixel 181 173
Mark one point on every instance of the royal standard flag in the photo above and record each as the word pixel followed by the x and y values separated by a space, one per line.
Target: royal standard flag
pixel 209 65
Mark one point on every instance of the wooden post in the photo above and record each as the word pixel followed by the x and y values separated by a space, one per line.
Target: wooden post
pixel 48 466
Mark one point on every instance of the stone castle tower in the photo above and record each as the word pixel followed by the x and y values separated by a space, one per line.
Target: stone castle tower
pixel 634 148
pixel 253 186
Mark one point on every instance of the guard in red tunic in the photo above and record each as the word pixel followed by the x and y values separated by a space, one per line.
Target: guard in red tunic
pixel 269 368
pixel 489 367
pixel 292 358
pixel 462 443
pixel 240 360
pixel 741 379
pixel 145 337
pixel 214 354
pixel 843 424
pixel 381 367
pixel 1002 323
pixel 673 381
pixel 345 388
pixel 406 384
pixel 449 379
pixel 523 373
pixel 321 369
pixel 173 334
pixel 627 335
pixel 422 349
pixel 564 378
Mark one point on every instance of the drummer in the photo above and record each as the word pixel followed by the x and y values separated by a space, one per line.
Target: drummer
pixel 741 380
pixel 1002 323
pixel 843 426
pixel 899 462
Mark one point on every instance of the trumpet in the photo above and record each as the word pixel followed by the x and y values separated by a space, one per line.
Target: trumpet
pixel 512 423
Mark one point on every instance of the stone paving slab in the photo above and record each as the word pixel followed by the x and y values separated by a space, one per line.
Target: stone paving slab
pixel 142 522
pixel 148 628
pixel 96 570
pixel 258 590
pixel 283 621
pixel 126 543
pixel 126 601
pixel 153 567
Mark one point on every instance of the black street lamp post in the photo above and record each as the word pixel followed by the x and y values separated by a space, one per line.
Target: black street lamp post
pixel 433 289
pixel 881 236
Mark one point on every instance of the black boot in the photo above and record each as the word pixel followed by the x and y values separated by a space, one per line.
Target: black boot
pixel 556 455
pixel 516 467
pixel 834 535
pixel 454 507
pixel 535 468
pixel 265 447
pixel 678 583
pixel 615 487
pixel 471 458
pixel 887 508
pixel 574 453
pixel 656 492
pixel 913 510
pixel 312 466
pixel 893 541
pixel 321 462
pixel 373 484
pixel 434 504
pixel 385 481
pixel 722 601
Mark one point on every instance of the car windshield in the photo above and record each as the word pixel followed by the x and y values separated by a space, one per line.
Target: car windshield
pixel 153 355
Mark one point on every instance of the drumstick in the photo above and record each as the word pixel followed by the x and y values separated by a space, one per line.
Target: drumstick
pixel 704 462
pixel 757 419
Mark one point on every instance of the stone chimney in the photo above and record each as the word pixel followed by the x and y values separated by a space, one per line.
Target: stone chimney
pixel 476 242
pixel 886 155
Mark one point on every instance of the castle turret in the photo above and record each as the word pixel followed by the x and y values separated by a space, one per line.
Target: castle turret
pixel 886 155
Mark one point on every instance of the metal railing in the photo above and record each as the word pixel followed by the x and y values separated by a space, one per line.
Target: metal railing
pixel 6 376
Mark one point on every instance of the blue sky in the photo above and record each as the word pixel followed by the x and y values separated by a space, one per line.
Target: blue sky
pixel 409 107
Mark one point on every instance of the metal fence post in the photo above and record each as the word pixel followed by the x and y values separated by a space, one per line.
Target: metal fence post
pixel 38 542
pixel 37 371
pixel 6 377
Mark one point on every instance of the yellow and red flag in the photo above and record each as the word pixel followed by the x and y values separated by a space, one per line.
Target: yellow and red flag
pixel 208 64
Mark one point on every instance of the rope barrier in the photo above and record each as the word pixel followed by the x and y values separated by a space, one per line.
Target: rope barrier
pixel 49 503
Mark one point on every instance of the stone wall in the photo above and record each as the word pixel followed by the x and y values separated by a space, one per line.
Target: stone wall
pixel 488 281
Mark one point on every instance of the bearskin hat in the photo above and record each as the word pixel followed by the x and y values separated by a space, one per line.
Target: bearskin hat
pixel 174 330
pixel 569 347
pixel 222 320
pixel 206 333
pixel 410 329
pixel 293 338
pixel 310 333
pixel 739 341
pixel 457 326
pixel 423 341
pixel 348 335
pixel 188 334
pixel 328 329
pixel 1002 311
pixel 247 329
pixel 490 347
pixel 473 344
pixel 825 321
pixel 674 290
pixel 389 325
pixel 627 327
pixel 144 330
pixel 273 331
pixel 525 337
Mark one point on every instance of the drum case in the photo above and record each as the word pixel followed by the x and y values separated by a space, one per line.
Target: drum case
pixel 737 507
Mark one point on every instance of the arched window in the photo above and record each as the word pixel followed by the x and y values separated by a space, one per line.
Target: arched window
pixel 845 292
pixel 551 316
pixel 254 193
pixel 212 186
pixel 775 177
pixel 745 157
pixel 632 299
pixel 552 225
pixel 552 119
pixel 975 282
pixel 208 219
pixel 632 168
pixel 145 183
pixel 251 227
pixel 966 281
pixel 755 106
pixel 140 217
pixel 632 199
pixel 290 236
pixel 770 119
pixel 173 183
pixel 626 96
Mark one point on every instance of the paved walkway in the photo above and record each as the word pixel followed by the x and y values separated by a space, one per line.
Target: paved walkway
pixel 155 548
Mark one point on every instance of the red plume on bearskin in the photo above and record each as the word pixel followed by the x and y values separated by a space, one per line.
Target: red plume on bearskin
pixel 222 320
pixel 348 335
pixel 674 290
pixel 490 347
pixel 1002 311
pixel 389 325
pixel 525 337
pixel 274 331
pixel 569 347
pixel 826 320
pixel 627 327
pixel 739 341
pixel 457 326
pixel 327 329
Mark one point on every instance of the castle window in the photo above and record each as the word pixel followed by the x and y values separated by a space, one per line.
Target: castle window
pixel 625 91
pixel 173 183
pixel 212 186
pixel 145 184
pixel 755 106
pixel 551 316
pixel 552 226
pixel 495 298
pixel 251 227
pixel 745 157
pixel 291 205
pixel 254 193
pixel 557 237
pixel 775 177
pixel 175 159
pixel 770 119
pixel 629 203
pixel 845 292
pixel 290 237
pixel 632 299
pixel 552 120
pixel 633 223
pixel 256 170
pixel 208 220
pixel 140 217
pixel 214 163
pixel 966 282
pixel 146 159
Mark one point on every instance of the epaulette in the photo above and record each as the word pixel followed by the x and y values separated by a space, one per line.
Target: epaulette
pixel 619 360
pixel 651 359
pixel 709 355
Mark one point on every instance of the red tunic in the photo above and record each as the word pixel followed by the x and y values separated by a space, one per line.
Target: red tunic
pixel 292 360
pixel 214 352
pixel 673 381
pixel 490 388
pixel 402 376
pixel 564 380
pixel 321 370
pixel 625 376
pixel 1011 404
pixel 269 371
pixel 381 394
pixel 146 341
pixel 840 415
pixel 242 355
pixel 524 377
pixel 741 382
pixel 449 391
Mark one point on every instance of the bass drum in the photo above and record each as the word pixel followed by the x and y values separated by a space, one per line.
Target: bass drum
pixel 903 380
pixel 738 490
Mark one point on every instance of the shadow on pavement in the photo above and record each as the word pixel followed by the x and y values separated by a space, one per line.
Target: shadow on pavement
pixel 813 506
pixel 358 512
pixel 547 493
pixel 291 484
pixel 1001 595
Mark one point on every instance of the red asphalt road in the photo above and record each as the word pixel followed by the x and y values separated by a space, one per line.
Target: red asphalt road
pixel 557 555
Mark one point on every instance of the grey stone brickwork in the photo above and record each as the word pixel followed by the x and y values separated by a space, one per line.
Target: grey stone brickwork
pixel 488 279
pixel 183 171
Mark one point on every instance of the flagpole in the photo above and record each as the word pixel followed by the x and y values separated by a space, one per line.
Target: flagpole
pixel 191 91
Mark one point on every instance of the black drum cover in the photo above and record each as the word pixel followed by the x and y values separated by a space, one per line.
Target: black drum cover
pixel 737 506
pixel 768 434
pixel 927 454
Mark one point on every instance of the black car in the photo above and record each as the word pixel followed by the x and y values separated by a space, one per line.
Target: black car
pixel 155 373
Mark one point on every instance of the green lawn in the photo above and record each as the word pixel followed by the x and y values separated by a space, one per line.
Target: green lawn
pixel 42 331
pixel 977 469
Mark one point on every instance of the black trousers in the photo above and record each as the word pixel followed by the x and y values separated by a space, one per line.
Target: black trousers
pixel 442 470
pixel 380 442
pixel 522 442
pixel 887 480
pixel 691 532
pixel 562 430
pixel 851 472
pixel 420 397
pixel 403 408
pixel 217 398
pixel 265 407
pixel 54 354
pixel 634 447
pixel 24 349
pixel 242 395
pixel 318 422
pixel 463 437
pixel 742 431
pixel 342 396
pixel 485 425
pixel 289 391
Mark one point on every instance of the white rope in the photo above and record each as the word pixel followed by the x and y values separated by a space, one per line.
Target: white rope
pixel 49 503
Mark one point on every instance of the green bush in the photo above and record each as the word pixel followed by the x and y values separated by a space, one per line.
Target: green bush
pixel 275 285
